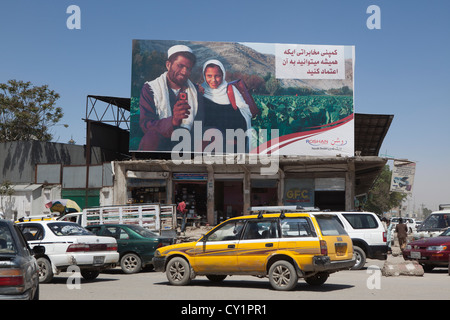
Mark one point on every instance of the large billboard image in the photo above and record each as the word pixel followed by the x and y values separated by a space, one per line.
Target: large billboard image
pixel 224 97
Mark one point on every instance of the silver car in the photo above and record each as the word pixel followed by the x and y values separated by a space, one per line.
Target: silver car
pixel 19 273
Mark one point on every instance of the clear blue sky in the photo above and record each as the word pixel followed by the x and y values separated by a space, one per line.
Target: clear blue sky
pixel 402 69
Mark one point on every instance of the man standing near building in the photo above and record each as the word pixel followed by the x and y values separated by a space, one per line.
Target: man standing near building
pixel 402 233
pixel 169 102
pixel 181 208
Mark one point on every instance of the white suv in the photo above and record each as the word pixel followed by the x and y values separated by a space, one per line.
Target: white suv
pixel 66 244
pixel 368 236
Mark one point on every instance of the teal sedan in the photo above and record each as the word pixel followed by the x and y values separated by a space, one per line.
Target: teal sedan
pixel 135 244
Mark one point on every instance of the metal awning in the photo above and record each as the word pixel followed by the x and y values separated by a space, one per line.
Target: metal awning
pixel 370 131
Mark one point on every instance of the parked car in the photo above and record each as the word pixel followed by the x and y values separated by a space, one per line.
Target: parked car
pixel 368 236
pixel 67 244
pixel 19 273
pixel 136 245
pixel 430 252
pixel 434 224
pixel 284 247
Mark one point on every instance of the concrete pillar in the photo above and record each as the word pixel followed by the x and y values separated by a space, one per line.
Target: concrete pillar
pixel 169 189
pixel 280 187
pixel 247 187
pixel 350 186
pixel 210 196
pixel 120 184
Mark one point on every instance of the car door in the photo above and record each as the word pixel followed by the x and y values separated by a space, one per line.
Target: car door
pixel 124 243
pixel 33 233
pixel 259 241
pixel 216 253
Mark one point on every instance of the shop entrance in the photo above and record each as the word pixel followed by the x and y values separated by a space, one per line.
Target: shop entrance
pixel 194 194
pixel 228 199
pixel 330 200
pixel 264 193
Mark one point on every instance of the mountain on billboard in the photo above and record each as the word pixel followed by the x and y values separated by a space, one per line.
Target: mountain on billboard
pixel 238 58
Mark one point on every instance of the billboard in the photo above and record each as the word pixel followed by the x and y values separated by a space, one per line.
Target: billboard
pixel 403 176
pixel 257 98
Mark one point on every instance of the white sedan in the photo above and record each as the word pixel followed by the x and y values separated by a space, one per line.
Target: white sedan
pixel 65 244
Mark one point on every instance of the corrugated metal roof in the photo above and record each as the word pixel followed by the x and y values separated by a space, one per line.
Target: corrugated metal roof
pixel 370 131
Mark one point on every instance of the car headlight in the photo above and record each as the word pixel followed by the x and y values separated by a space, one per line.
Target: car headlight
pixel 436 248
pixel 408 247
pixel 157 253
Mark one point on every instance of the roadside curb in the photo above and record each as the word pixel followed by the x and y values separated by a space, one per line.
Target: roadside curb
pixel 396 266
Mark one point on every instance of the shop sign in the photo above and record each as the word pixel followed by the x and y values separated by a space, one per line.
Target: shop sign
pixel 191 176
pixel 299 192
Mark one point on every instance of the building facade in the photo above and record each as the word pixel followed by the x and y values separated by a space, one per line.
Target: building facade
pixel 216 192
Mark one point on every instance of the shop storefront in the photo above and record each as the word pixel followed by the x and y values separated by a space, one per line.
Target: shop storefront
pixel 264 192
pixel 214 193
pixel 146 187
pixel 228 196
pixel 191 188
pixel 322 193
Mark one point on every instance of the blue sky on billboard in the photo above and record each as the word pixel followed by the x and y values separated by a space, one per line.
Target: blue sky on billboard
pixel 400 69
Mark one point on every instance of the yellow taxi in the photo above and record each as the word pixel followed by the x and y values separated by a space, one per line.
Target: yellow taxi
pixel 282 246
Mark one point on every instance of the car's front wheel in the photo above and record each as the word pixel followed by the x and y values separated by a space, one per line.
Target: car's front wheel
pixel 283 276
pixel 178 271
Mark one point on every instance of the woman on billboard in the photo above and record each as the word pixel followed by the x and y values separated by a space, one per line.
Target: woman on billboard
pixel 220 112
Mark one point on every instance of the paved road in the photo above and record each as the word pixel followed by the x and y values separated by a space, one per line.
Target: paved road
pixel 346 285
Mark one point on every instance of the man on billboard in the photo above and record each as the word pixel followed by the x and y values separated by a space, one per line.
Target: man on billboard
pixel 169 102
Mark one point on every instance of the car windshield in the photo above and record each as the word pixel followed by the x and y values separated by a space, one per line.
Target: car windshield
pixel 68 229
pixel 446 233
pixel 7 245
pixel 143 232
pixel 330 225
pixel 436 222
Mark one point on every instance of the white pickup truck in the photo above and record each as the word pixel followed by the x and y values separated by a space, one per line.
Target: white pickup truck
pixel 159 218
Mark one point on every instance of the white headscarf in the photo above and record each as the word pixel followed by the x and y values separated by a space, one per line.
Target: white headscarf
pixel 218 95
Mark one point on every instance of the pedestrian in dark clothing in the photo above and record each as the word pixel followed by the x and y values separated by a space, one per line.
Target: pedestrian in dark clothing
pixel 402 233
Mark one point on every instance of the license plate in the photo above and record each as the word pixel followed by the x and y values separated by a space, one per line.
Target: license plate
pixel 341 248
pixel 99 260
pixel 415 255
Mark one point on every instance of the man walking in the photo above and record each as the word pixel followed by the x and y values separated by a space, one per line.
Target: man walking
pixel 402 233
